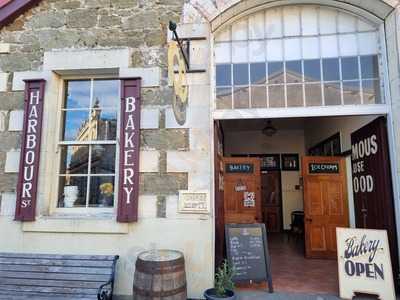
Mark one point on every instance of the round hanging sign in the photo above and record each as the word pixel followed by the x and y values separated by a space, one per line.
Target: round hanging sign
pixel 178 81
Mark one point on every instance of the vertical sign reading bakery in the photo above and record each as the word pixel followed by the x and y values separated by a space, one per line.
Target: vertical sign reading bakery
pixel 128 193
pixel 30 151
pixel 372 183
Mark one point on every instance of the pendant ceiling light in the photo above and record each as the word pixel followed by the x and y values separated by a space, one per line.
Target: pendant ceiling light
pixel 269 130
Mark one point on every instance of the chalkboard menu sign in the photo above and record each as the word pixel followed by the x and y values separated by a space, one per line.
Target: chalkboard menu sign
pixel 247 252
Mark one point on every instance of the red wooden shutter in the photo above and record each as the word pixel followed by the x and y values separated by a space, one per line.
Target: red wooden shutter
pixel 30 151
pixel 128 194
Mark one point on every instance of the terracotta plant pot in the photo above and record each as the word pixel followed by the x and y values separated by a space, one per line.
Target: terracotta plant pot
pixel 211 294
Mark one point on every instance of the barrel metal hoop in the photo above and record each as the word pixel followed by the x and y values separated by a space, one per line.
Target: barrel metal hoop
pixel 161 267
pixel 147 293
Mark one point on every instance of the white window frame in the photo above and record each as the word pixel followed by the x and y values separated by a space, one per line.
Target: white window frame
pixel 222 113
pixel 58 142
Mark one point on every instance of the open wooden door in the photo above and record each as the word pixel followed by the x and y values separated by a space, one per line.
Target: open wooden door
pixel 242 190
pixel 272 200
pixel 325 203
pixel 219 194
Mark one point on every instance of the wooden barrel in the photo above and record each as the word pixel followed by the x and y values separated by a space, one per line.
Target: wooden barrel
pixel 160 274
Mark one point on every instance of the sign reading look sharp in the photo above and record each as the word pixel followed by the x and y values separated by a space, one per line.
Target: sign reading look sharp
pixel 30 151
pixel 129 151
pixel 364 263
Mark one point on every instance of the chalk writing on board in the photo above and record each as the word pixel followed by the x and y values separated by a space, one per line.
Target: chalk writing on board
pixel 247 252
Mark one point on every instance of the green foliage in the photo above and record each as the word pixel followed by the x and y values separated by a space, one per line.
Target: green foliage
pixel 223 279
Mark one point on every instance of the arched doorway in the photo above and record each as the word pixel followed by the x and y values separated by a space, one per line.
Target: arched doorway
pixel 299 61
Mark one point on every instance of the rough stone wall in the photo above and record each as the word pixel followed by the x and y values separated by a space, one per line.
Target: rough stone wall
pixel 140 25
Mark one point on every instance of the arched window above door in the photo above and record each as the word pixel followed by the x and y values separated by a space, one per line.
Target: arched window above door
pixel 298 56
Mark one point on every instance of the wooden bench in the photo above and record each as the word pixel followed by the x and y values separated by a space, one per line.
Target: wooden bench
pixel 60 277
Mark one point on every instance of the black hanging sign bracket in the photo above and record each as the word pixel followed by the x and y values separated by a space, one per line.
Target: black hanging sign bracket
pixel 184 46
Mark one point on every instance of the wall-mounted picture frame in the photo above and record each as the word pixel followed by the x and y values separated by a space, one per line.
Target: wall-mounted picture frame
pixel 270 162
pixel 290 162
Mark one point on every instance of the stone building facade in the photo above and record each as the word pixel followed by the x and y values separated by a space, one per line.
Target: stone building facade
pixel 61 40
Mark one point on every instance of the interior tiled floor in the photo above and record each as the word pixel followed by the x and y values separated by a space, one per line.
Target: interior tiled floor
pixel 293 273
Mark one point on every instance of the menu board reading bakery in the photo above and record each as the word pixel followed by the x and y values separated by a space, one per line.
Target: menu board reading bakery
pixel 248 253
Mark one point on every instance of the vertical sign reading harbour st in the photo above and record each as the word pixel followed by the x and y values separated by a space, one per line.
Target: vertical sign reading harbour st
pixel 128 193
pixel 30 151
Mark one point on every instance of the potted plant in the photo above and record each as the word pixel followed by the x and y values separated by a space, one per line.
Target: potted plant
pixel 224 285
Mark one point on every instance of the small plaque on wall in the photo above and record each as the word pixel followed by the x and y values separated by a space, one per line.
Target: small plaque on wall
pixel 194 202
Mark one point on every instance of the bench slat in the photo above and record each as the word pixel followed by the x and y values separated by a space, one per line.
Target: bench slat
pixel 57 256
pixel 38 296
pixel 46 289
pixel 54 269
pixel 56 262
pixel 55 276
pixel 51 283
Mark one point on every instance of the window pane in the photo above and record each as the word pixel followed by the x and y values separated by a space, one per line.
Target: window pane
pixel 371 92
pixel 257 51
pixel 258 97
pixel 222 52
pixel 350 68
pixel 351 92
pixel 72 191
pixel 101 191
pixel 293 71
pixel 369 67
pixel 276 95
pixel 331 69
pixel 332 93
pixel 101 127
pixel 224 98
pixel 78 94
pixel 74 122
pixel 74 159
pixel 295 95
pixel 312 70
pixel 103 159
pixel 313 94
pixel 258 73
pixel 241 97
pixel 241 74
pixel 223 75
pixel 239 52
pixel 106 93
pixel 275 72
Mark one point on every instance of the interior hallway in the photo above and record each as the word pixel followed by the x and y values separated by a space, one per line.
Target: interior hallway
pixel 293 273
